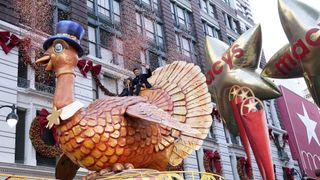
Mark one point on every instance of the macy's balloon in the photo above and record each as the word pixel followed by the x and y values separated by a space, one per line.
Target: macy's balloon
pixel 299 58
pixel 235 66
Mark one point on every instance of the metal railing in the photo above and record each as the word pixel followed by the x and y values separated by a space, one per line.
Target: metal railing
pixel 44 88
pixel 23 83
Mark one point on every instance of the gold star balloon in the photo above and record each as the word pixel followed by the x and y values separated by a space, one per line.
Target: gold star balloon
pixel 236 65
pixel 301 57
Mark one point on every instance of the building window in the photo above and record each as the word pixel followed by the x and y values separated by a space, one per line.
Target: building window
pixel 139 22
pixel 204 5
pixel 105 38
pixel 235 139
pixel 211 31
pixel 231 23
pixel 106 9
pixel 63 15
pixel 92 41
pixel 147 2
pixel 153 60
pixel 160 35
pixel 90 4
pixel 109 83
pixel 178 41
pixel 101 43
pixel 151 29
pixel 207 7
pixel 181 16
pixel 116 11
pixel 153 3
pixel 212 10
pixel 230 40
pixel 20 136
pixel 226 134
pixel 22 73
pixel 173 11
pixel 186 49
pixel 211 133
pixel 186 46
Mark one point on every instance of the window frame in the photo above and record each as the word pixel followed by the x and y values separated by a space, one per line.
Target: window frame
pixel 112 16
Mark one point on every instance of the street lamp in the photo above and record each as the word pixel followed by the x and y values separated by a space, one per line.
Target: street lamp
pixel 12 118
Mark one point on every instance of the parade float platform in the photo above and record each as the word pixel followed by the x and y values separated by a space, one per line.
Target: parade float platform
pixel 141 174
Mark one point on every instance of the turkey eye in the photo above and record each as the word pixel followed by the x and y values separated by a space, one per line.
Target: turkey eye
pixel 58 48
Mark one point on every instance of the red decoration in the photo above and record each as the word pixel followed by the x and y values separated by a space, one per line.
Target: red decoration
pixel 244 169
pixel 211 159
pixel 85 66
pixel 43 123
pixel 8 41
pixel 39 145
pixel 215 114
pixel 25 50
pixel 236 108
pixel 285 138
pixel 289 173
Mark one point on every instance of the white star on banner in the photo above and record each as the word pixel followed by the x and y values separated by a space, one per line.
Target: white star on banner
pixel 310 126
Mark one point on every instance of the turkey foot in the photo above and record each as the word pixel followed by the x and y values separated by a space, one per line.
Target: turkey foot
pixel 116 168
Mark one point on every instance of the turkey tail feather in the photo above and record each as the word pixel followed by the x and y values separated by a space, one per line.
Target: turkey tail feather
pixel 189 102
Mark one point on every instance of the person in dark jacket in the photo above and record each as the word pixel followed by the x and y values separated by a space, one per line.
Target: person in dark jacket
pixel 141 80
pixel 127 83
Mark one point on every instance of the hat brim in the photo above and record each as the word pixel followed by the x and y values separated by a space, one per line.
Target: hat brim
pixel 70 41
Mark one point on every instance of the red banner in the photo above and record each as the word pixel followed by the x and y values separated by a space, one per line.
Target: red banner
pixel 301 119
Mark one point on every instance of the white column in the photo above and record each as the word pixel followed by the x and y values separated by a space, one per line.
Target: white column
pixel 31 77
pixel 29 151
pixel 233 160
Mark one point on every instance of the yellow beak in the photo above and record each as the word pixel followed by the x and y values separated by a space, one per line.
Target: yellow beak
pixel 45 61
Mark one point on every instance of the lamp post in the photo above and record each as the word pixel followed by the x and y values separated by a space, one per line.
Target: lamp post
pixel 12 117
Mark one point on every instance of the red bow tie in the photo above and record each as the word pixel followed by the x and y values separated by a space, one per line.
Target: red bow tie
pixel 86 65
pixel 7 41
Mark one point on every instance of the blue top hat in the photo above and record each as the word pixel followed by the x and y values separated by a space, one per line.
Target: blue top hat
pixel 69 31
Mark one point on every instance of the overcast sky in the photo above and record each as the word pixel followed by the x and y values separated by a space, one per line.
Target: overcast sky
pixel 265 12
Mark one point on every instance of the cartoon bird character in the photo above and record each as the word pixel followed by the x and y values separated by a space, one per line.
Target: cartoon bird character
pixel 163 125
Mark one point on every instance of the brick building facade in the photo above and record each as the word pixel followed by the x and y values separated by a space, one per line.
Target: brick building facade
pixel 171 30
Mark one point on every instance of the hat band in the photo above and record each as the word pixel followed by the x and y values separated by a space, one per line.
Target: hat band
pixel 70 36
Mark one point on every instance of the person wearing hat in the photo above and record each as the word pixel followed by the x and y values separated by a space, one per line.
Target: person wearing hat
pixel 141 80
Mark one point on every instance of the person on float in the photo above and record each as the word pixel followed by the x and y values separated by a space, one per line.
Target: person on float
pixel 127 83
pixel 141 80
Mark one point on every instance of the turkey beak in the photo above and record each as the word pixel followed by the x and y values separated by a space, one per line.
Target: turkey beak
pixel 45 61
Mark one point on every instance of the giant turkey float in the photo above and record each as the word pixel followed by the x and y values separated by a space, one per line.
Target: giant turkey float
pixel 137 137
